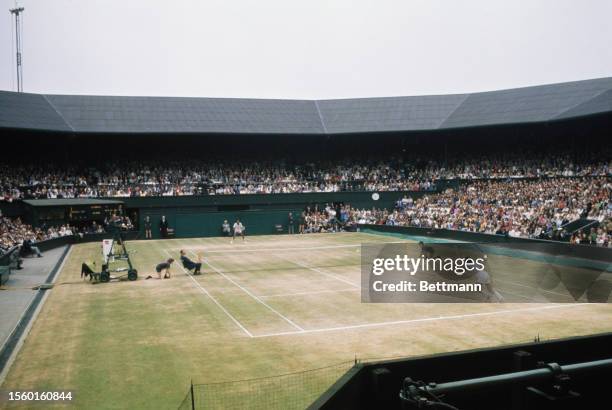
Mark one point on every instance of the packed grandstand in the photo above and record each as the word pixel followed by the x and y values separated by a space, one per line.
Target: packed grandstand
pixel 14 232
pixel 529 163
pixel 538 209
pixel 517 204
pixel 145 177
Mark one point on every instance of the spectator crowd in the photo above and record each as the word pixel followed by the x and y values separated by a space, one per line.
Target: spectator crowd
pixel 522 195
pixel 519 208
pixel 13 232
pixel 191 177
pixel 539 209
pixel 337 217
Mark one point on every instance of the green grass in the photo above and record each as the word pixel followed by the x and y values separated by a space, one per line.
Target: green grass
pixel 137 345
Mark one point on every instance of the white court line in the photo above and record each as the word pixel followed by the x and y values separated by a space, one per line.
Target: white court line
pixel 428 319
pixel 517 295
pixel 532 288
pixel 255 249
pixel 316 292
pixel 301 248
pixel 252 295
pixel 341 279
pixel 244 329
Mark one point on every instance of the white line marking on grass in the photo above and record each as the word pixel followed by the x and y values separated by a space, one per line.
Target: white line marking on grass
pixel 427 319
pixel 532 288
pixel 260 249
pixel 516 295
pixel 244 329
pixel 255 249
pixel 248 292
pixel 303 265
pixel 278 295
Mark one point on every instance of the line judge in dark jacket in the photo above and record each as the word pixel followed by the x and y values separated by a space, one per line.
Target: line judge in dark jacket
pixel 163 227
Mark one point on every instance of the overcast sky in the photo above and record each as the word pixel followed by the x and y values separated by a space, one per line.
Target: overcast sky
pixel 310 49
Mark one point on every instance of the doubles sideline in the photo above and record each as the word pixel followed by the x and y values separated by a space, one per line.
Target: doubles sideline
pixel 248 292
pixel 228 314
pixel 299 330
pixel 261 249
pixel 420 320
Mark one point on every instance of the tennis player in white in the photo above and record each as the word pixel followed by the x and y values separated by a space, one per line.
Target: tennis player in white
pixel 238 230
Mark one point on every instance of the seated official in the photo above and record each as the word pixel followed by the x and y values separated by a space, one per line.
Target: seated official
pixel 27 248
pixel 191 265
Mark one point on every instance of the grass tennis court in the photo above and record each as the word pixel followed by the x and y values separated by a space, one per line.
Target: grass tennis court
pixel 270 306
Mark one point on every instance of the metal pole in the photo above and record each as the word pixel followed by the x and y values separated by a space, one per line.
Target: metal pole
pixel 536 375
pixel 17 12
pixel 192 397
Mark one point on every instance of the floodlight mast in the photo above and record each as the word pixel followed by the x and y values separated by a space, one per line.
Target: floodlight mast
pixel 17 12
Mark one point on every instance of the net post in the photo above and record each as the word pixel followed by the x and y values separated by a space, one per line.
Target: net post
pixel 192 396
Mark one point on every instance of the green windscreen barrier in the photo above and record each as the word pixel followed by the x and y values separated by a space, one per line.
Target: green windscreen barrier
pixel 209 224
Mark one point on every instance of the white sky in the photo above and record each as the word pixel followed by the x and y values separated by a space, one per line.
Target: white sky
pixel 311 49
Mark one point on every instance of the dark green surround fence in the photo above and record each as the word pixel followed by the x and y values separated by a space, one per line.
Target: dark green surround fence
pixel 198 216
pixel 203 215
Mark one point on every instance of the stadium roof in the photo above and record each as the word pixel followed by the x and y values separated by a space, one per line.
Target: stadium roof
pixel 104 114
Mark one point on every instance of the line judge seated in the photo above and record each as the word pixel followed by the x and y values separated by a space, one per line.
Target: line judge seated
pixel 191 265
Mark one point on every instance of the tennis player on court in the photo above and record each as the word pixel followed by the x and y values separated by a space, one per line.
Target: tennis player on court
pixel 238 230
pixel 164 266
